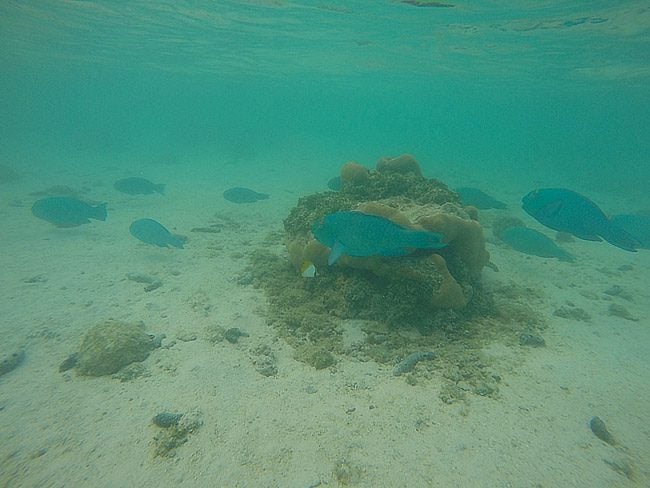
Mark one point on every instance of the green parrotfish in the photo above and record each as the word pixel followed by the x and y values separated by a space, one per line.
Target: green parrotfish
pixel 153 232
pixel 568 211
pixel 530 241
pixel 479 199
pixel 138 186
pixel 68 211
pixel 240 194
pixel 362 235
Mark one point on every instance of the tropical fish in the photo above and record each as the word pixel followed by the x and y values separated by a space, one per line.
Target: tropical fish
pixel 362 235
pixel 638 226
pixel 138 186
pixel 334 184
pixel 68 211
pixel 239 194
pixel 307 269
pixel 479 199
pixel 568 211
pixel 153 232
pixel 530 241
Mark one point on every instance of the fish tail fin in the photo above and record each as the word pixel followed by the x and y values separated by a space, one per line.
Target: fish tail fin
pixel 160 188
pixel 620 238
pixel 335 253
pixel 566 256
pixel 177 241
pixel 99 212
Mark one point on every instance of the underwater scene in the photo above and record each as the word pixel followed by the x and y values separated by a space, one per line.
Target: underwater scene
pixel 295 243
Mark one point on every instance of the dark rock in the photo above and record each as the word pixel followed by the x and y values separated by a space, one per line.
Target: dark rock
pixel 69 362
pixel 167 419
pixel 233 334
pixel 10 362
pixel 108 347
pixel 573 313
pixel 531 339
pixel 599 429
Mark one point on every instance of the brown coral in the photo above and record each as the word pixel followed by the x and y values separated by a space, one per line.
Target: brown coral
pixel 354 174
pixel 403 164
pixel 449 293
pixel 464 236
pixel 108 347
pixel 431 271
pixel 398 192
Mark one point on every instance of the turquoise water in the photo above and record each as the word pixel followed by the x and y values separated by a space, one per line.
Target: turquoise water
pixel 507 96
pixel 508 86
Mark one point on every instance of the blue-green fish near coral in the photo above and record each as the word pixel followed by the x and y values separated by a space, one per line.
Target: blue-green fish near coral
pixel 479 199
pixel 568 211
pixel 359 234
pixel 152 232
pixel 530 241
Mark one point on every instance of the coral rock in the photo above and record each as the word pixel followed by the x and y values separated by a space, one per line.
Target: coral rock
pixel 354 174
pixel 464 236
pixel 449 293
pixel 108 347
pixel 403 164
pixel 445 279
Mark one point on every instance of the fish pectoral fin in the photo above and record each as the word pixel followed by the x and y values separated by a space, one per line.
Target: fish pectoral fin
pixel 588 237
pixel 337 251
pixel 75 223
pixel 401 251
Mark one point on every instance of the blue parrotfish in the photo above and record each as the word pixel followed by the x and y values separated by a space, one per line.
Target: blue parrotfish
pixel 479 199
pixel 240 194
pixel 359 234
pixel 530 241
pixel 68 211
pixel 568 211
pixel 154 233
pixel 138 186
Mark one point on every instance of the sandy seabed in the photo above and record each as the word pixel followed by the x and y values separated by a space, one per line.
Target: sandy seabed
pixel 354 424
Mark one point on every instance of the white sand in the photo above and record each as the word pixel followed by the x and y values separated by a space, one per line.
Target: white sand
pixel 300 427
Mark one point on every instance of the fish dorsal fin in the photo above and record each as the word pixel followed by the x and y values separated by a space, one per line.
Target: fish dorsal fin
pixel 337 251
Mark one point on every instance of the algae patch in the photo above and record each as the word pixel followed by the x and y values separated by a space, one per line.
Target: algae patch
pixel 108 347
pixel 316 356
pixel 174 430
